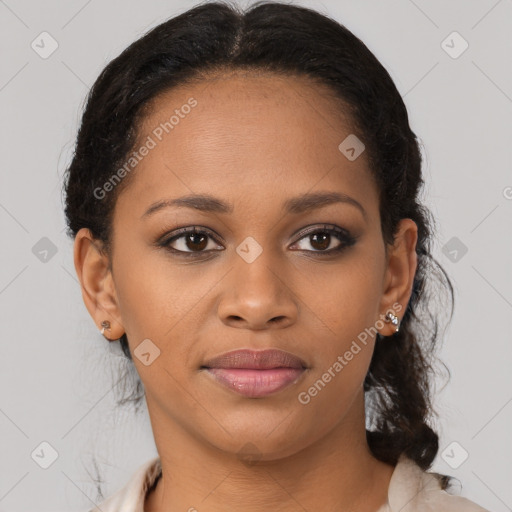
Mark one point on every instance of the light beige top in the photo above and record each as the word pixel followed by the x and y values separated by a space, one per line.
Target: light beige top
pixel 410 490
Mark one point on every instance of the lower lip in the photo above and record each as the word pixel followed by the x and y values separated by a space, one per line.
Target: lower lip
pixel 256 383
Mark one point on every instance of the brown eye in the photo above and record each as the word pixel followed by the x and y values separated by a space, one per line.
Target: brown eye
pixel 321 240
pixel 193 241
pixel 189 240
pixel 196 241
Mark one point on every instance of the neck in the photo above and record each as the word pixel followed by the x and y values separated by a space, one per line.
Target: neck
pixel 337 472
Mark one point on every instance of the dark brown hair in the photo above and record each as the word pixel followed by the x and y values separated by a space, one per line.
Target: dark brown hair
pixel 286 39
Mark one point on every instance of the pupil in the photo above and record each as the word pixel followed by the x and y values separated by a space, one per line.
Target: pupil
pixel 325 243
pixel 192 236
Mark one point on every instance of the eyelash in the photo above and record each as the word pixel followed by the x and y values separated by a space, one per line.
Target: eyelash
pixel 342 235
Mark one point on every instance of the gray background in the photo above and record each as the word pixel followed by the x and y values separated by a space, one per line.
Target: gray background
pixel 58 375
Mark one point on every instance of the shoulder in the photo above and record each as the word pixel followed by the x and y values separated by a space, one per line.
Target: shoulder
pixel 413 490
pixel 130 498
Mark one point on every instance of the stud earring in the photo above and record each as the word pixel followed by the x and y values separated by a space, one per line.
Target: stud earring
pixel 105 325
pixel 392 318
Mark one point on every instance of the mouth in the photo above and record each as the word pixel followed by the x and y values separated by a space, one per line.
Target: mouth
pixel 256 374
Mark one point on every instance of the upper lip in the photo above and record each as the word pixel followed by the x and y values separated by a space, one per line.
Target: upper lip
pixel 256 359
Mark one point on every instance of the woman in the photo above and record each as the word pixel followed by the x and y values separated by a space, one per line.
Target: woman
pixel 243 200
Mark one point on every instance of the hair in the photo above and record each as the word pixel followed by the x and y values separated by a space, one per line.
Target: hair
pixel 289 40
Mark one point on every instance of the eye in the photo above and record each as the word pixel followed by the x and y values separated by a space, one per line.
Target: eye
pixel 321 239
pixel 189 240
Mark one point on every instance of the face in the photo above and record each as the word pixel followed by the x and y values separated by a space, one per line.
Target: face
pixel 288 254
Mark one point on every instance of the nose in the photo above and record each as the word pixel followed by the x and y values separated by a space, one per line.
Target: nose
pixel 258 296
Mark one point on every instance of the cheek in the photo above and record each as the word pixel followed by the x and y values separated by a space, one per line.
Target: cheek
pixel 161 302
pixel 343 299
pixel 154 307
pixel 336 381
pixel 153 294
pixel 345 310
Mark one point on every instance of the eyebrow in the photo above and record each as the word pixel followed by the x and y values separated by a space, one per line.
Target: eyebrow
pixel 295 205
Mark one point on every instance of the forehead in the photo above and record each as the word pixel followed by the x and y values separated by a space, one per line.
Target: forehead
pixel 256 86
pixel 246 133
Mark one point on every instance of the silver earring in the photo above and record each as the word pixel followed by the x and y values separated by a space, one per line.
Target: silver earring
pixel 391 317
pixel 105 325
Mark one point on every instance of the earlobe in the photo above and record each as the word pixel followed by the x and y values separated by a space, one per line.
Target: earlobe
pixel 98 290
pixel 400 271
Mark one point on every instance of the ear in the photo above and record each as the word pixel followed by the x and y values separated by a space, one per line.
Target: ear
pixel 92 266
pixel 401 267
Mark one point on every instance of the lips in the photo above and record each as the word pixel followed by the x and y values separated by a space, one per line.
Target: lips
pixel 256 360
pixel 256 374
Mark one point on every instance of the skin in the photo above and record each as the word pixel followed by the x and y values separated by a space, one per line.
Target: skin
pixel 254 141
